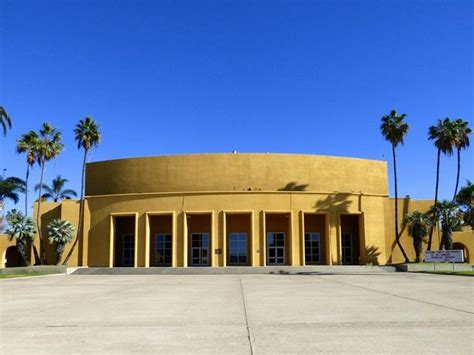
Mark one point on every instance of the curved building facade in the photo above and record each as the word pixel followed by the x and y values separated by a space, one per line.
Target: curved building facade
pixel 235 209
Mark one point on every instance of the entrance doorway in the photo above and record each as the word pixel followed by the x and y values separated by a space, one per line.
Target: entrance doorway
pixel 200 249
pixel 13 257
pixel 124 241
pixel 238 230
pixel 276 248
pixel 278 238
pixel 350 241
pixel 200 246
pixel 161 240
pixel 314 239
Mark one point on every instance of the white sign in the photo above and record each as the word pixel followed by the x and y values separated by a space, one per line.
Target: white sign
pixel 440 256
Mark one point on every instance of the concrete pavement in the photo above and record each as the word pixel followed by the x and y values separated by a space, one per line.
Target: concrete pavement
pixel 241 314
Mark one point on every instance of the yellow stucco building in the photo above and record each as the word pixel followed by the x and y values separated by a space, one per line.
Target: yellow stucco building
pixel 237 209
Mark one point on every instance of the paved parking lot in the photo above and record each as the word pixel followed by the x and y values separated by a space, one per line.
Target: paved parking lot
pixel 244 314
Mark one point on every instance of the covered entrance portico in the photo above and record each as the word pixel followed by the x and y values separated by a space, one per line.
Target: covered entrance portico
pixel 277 238
pixel 238 238
pixel 350 245
pixel 123 233
pixel 199 238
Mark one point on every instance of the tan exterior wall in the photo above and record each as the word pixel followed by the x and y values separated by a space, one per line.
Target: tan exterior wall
pixel 235 172
pixel 213 205
pixel 66 210
pixel 466 237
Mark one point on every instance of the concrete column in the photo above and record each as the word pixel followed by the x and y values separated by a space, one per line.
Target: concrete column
pixel 174 238
pixel 185 239
pixel 147 240
pixel 334 238
pixel 224 239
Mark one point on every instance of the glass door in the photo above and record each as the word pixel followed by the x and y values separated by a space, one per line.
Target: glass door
pixel 200 249
pixel 346 243
pixel 128 250
pixel 237 248
pixel 312 248
pixel 163 250
pixel 275 248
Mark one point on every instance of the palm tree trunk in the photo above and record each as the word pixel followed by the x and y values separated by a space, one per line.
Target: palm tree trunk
pixel 457 175
pixel 59 252
pixel 35 250
pixel 435 201
pixel 26 188
pixel 38 217
pixel 417 245
pixel 21 246
pixel 81 209
pixel 397 235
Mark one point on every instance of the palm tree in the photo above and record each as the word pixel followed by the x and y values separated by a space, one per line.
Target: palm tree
pixel 87 135
pixel 465 200
pixel 394 129
pixel 47 148
pixel 10 187
pixel 27 144
pixel 56 191
pixel 60 232
pixel 448 213
pixel 461 141
pixel 21 228
pixel 443 136
pixel 5 120
pixel 418 224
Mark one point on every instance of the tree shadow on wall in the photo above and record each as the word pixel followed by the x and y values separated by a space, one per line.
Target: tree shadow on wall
pixel 294 186
pixel 339 202
pixel 402 226
pixel 372 255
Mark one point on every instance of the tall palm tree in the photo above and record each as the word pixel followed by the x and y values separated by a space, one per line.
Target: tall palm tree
pixel 461 141
pixel 443 136
pixel 27 144
pixel 47 148
pixel 22 228
pixel 56 191
pixel 450 216
pixel 418 224
pixel 5 120
pixel 465 199
pixel 394 129
pixel 60 232
pixel 87 135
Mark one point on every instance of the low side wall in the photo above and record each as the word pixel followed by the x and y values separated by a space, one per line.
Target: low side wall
pixel 4 245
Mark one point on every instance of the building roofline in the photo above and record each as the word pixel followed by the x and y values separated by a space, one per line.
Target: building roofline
pixel 238 153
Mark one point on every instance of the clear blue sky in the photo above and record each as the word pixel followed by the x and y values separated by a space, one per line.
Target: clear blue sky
pixel 168 77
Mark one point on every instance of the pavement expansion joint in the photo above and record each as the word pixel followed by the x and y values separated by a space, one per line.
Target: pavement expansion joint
pixel 249 335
